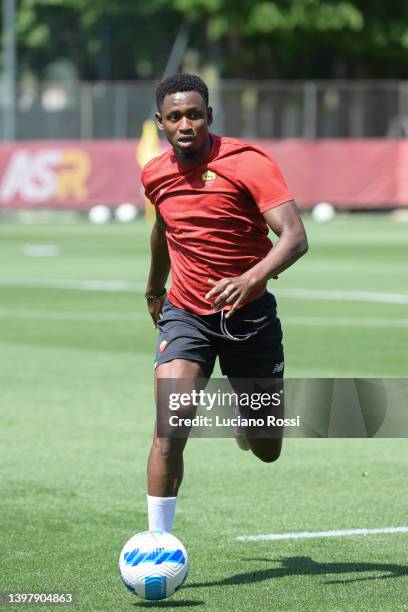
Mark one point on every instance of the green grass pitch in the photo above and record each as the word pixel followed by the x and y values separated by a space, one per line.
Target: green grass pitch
pixel 77 414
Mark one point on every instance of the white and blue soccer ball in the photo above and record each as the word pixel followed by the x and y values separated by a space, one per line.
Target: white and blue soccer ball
pixel 153 564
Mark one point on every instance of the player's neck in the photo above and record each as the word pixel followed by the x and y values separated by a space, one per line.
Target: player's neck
pixel 188 159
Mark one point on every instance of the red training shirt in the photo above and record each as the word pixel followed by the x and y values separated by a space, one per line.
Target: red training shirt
pixel 213 215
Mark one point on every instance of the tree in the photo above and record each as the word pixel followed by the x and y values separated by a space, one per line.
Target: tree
pixel 130 39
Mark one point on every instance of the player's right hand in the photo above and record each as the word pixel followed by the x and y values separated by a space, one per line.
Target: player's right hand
pixel 155 308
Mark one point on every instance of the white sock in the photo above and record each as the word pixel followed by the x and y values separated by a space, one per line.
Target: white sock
pixel 161 512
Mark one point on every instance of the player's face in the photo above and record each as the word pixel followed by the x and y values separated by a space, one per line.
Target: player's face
pixel 185 118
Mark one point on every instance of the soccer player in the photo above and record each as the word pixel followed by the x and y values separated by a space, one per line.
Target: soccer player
pixel 215 199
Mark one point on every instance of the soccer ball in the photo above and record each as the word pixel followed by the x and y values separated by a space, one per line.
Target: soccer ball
pixel 99 215
pixel 323 212
pixel 153 564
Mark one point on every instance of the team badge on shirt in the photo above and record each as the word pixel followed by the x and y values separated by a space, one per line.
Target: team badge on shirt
pixel 208 176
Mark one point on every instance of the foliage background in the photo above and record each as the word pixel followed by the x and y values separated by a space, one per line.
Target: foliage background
pixel 131 39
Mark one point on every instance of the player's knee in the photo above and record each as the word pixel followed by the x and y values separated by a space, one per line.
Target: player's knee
pixel 268 453
pixel 268 457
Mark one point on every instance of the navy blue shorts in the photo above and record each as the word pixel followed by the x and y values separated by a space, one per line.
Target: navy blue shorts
pixel 249 344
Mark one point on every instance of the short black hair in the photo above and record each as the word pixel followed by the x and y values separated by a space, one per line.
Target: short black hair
pixel 180 82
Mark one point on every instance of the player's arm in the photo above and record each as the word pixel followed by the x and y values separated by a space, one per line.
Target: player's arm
pixel 159 268
pixel 285 222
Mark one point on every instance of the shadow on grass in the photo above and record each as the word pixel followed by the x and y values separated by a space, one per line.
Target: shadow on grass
pixel 305 566
pixel 168 603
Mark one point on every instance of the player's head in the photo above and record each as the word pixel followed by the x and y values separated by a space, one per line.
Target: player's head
pixel 183 113
pixel 180 83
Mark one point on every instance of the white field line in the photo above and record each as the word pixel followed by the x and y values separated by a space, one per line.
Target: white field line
pixel 342 296
pixel 115 286
pixel 40 250
pixel 73 315
pixel 337 533
pixel 111 286
pixel 344 322
pixel 65 315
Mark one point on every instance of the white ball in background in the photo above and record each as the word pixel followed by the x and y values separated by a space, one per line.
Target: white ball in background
pixel 99 214
pixel 125 213
pixel 323 212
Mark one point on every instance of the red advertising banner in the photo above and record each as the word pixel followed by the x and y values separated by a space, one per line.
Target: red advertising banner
pixel 81 174
pixel 347 173
pixel 69 174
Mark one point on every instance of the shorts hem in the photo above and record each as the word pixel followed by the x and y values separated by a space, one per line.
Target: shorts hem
pixel 201 362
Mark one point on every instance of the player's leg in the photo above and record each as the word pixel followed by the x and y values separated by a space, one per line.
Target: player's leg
pixel 267 450
pixel 165 463
pixel 184 361
pixel 258 354
pixel 266 442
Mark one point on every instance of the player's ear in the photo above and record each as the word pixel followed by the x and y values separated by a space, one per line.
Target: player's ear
pixel 159 121
pixel 209 115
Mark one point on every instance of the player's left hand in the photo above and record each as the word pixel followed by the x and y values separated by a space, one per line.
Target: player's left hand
pixel 229 291
pixel 155 308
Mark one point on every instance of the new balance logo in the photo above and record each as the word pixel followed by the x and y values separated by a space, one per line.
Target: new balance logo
pixel 278 367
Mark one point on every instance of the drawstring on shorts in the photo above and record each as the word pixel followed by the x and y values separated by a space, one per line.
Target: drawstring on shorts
pixel 225 332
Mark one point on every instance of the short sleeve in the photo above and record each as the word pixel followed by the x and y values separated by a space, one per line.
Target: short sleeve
pixel 146 182
pixel 259 175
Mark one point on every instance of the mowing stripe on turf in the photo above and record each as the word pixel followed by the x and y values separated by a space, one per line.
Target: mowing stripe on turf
pixel 337 533
pixel 114 286
pixel 65 315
